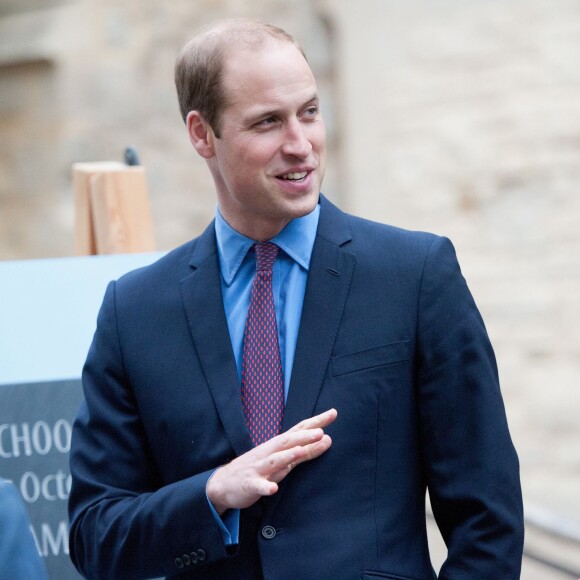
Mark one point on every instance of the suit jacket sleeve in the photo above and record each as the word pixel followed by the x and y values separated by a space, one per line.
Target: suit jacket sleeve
pixel 126 521
pixel 471 465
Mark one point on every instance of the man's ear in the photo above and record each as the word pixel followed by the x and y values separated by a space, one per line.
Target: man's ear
pixel 200 134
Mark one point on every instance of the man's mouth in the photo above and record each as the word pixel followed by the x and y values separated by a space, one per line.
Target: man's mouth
pixel 296 176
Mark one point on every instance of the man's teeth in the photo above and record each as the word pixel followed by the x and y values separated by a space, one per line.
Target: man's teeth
pixel 300 175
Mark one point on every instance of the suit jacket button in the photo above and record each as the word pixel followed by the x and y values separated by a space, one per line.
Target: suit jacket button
pixel 179 563
pixel 200 555
pixel 268 532
pixel 186 559
pixel 193 557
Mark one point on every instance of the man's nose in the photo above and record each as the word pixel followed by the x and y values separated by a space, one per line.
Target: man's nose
pixel 296 142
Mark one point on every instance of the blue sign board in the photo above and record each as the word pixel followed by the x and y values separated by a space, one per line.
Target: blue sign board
pixel 48 311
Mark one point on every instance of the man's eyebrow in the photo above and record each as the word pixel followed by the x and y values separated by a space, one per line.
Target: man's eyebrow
pixel 313 98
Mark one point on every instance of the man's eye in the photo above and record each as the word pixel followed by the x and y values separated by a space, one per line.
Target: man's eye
pixel 266 122
pixel 311 112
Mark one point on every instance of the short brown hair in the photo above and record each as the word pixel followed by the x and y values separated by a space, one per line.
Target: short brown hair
pixel 199 65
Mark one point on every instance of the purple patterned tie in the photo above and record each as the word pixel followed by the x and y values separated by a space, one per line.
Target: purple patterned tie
pixel 262 385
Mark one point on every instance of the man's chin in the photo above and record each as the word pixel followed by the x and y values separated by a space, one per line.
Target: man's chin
pixel 302 206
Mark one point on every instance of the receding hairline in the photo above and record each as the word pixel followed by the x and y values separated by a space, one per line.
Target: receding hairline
pixel 230 33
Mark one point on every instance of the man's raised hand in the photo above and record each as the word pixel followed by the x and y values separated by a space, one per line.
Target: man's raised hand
pixel 242 482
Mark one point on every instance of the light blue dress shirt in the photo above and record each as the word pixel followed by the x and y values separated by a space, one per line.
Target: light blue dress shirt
pixel 290 274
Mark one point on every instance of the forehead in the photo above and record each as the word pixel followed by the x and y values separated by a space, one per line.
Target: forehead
pixel 267 73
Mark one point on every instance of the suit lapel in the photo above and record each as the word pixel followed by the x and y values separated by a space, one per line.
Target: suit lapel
pixel 329 278
pixel 203 302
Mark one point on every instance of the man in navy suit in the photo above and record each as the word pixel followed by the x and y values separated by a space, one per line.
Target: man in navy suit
pixel 390 382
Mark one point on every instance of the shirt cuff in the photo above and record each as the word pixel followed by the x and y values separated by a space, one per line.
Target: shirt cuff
pixel 228 524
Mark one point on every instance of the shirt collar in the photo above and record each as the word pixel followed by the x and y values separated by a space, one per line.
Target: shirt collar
pixel 296 239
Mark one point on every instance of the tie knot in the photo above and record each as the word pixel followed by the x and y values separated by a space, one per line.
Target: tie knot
pixel 265 255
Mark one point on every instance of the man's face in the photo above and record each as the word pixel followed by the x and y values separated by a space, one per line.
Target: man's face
pixel 269 161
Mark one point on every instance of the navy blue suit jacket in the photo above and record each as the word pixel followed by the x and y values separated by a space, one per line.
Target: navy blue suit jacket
pixel 389 336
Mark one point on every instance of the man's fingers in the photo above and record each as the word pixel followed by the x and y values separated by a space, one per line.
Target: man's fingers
pixel 315 450
pixel 266 487
pixel 308 452
pixel 318 421
pixel 281 460
pixel 291 439
pixel 280 475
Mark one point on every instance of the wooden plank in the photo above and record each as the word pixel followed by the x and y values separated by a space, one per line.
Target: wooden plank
pixel 85 243
pixel 121 214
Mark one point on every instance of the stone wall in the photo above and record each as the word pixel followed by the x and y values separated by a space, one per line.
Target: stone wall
pixel 81 80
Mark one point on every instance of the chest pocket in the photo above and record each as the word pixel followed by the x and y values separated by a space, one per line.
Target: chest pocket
pixel 378 356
